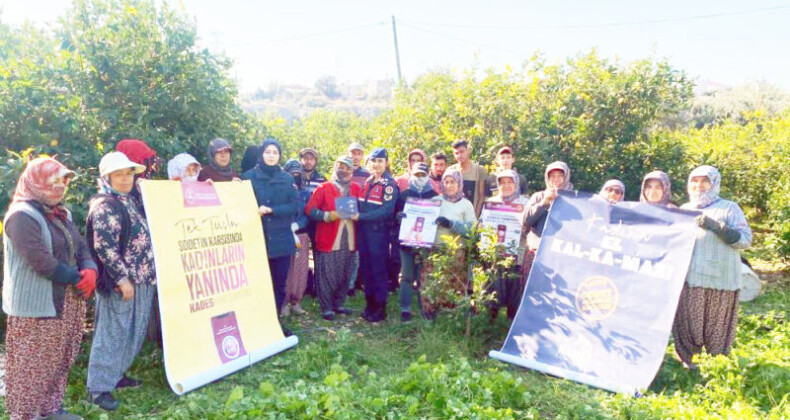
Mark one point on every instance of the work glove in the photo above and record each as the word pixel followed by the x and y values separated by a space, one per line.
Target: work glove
pixel 727 234
pixel 444 222
pixel 87 283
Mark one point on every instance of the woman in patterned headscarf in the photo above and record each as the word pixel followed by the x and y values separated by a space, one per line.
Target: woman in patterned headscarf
pixel 707 312
pixel 456 217
pixel 296 284
pixel 336 244
pixel 47 273
pixel 656 189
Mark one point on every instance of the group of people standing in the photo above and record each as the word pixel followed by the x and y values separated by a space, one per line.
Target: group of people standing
pixel 50 270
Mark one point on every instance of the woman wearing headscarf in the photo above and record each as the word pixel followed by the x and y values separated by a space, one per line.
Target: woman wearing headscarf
pixel 557 177
pixel 183 167
pixel 278 204
pixel 219 167
pixel 415 156
pixel 411 262
pixel 656 189
pixel 707 313
pixel 119 238
pixel 613 191
pixel 252 154
pixel 335 238
pixel 48 273
pixel 509 288
pixel 456 218
pixel 140 153
pixel 296 284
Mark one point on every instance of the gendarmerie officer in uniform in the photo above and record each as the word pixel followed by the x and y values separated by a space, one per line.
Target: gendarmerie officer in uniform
pixel 376 212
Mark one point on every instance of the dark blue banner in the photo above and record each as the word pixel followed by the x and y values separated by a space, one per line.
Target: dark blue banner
pixel 601 297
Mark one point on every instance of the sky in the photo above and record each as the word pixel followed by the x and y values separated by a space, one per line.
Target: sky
pixel 296 42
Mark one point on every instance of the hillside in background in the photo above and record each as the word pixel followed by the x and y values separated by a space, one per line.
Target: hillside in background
pixel 290 101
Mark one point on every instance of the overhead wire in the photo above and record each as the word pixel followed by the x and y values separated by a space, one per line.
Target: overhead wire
pixel 607 24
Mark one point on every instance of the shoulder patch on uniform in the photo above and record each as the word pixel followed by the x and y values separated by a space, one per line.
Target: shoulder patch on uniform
pixel 389 189
pixel 388 197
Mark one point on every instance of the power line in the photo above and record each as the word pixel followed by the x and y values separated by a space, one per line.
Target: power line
pixel 464 40
pixel 609 24
pixel 311 35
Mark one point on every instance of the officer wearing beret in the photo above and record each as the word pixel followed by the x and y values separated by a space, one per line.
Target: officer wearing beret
pixel 376 210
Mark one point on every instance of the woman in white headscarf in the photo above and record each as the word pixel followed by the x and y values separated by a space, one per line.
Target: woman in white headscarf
pixel 557 177
pixel 183 167
pixel 707 312
pixel 509 289
pixel 613 191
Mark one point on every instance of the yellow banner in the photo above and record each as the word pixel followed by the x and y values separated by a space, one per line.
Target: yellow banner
pixel 213 280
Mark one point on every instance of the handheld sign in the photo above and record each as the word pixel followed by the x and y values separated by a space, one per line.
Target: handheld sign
pixel 507 220
pixel 418 229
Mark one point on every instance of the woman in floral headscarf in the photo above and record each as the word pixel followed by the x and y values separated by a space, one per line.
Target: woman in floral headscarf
pixel 219 162
pixel 656 189
pixel 47 273
pixel 456 217
pixel 707 312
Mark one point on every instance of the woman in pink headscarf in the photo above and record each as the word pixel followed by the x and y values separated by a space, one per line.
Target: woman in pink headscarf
pixel 48 273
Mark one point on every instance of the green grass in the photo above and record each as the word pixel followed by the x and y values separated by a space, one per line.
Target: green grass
pixel 351 370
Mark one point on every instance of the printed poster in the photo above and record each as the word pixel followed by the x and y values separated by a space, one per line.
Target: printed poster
pixel 507 220
pixel 214 286
pixel 418 228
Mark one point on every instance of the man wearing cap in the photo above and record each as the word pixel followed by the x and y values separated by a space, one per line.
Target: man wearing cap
pixel 357 154
pixel 308 157
pixel 504 162
pixel 376 207
pixel 474 175
pixel 360 175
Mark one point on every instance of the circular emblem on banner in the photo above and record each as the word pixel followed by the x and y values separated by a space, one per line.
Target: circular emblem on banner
pixel 597 298
pixel 190 196
pixel 389 189
pixel 230 347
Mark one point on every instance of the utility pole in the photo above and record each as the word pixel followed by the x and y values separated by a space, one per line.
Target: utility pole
pixel 397 54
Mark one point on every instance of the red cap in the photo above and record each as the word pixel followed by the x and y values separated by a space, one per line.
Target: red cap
pixel 505 149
